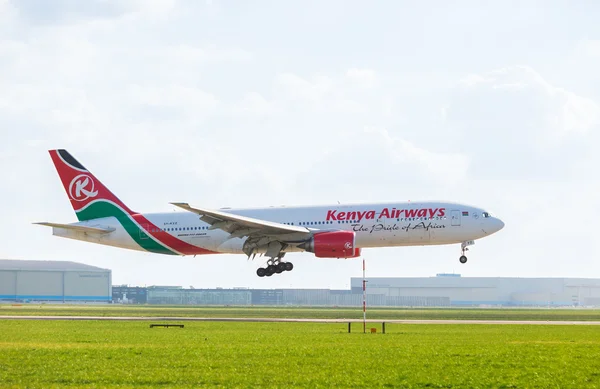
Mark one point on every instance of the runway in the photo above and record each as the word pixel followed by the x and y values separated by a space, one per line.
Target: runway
pixel 291 320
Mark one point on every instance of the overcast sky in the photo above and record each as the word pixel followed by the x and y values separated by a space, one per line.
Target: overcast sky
pixel 237 103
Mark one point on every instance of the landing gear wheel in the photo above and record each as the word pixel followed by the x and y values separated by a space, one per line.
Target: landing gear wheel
pixel 274 266
pixel 462 259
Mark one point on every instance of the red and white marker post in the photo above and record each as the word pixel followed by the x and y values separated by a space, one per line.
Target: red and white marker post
pixel 364 300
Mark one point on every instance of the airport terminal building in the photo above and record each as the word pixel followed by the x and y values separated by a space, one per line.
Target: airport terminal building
pixel 53 281
pixel 454 290
pixel 443 290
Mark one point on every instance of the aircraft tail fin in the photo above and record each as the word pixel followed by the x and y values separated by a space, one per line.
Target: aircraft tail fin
pixel 83 189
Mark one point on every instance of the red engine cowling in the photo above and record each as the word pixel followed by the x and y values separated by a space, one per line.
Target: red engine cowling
pixel 332 244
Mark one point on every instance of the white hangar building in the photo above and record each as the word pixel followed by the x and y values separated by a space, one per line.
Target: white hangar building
pixel 454 290
pixel 57 281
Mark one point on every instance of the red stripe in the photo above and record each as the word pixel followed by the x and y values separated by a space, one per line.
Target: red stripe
pixel 169 240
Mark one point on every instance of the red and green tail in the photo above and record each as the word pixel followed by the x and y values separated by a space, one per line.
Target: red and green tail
pixel 89 198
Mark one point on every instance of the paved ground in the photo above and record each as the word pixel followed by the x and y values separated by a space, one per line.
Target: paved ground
pixel 275 320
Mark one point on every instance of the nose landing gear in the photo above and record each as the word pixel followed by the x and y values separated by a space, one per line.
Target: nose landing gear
pixel 463 248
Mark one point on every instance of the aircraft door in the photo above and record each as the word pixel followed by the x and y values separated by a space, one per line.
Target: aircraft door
pixel 455 218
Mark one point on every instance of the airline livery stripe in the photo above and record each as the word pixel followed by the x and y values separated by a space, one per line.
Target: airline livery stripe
pixel 168 239
pixel 105 208
pixel 94 202
pixel 157 240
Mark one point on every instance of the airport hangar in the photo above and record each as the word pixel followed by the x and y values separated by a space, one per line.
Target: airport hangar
pixel 54 281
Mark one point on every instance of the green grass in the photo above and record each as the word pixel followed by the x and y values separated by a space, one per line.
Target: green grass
pixel 65 354
pixel 320 313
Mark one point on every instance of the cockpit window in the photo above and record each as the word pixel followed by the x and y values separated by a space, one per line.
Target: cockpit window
pixel 486 214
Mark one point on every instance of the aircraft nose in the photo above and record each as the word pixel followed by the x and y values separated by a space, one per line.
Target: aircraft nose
pixel 499 224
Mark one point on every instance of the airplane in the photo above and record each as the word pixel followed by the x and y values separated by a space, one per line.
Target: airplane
pixel 327 231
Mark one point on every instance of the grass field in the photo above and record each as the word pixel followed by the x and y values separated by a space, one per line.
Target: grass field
pixel 65 354
pixel 319 313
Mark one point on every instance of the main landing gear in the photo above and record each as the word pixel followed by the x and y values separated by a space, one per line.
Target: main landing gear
pixel 463 248
pixel 275 266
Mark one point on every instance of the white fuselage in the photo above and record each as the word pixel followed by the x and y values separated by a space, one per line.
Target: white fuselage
pixel 375 225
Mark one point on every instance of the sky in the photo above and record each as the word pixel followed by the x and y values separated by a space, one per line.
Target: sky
pixel 243 104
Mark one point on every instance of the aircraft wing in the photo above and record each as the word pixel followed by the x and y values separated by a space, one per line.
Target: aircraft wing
pixel 79 228
pixel 239 226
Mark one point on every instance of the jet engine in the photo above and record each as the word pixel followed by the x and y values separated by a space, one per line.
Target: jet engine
pixel 332 244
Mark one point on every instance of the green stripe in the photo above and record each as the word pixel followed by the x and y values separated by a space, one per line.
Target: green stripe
pixel 102 209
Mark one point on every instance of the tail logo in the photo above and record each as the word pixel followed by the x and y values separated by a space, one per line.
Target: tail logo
pixel 82 188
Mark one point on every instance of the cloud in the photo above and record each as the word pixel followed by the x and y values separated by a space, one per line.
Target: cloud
pixel 8 12
pixel 575 113
pixel 566 111
pixel 190 100
pixel 363 77
pixel 372 164
pixel 183 53
pixel 297 88
pixel 578 114
pixel 154 7
pixel 333 94
pixel 254 104
pixel 514 114
pixel 439 167
pixel 66 12
pixel 589 47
